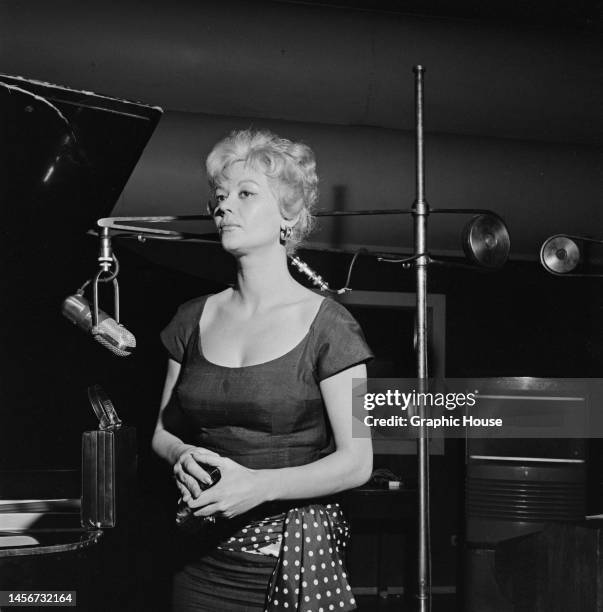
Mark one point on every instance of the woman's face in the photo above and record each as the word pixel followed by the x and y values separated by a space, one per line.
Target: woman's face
pixel 246 213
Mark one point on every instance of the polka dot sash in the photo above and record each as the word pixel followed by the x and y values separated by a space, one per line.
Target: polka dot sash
pixel 261 537
pixel 310 574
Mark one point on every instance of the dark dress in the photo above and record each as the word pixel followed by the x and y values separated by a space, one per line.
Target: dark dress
pixel 269 415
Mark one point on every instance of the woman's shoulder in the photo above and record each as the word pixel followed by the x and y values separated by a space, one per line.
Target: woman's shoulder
pixel 333 312
pixel 190 311
pixel 334 321
pixel 191 307
pixel 176 335
pixel 339 341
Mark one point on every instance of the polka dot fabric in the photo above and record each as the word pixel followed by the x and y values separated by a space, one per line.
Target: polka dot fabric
pixel 261 537
pixel 309 542
pixel 310 574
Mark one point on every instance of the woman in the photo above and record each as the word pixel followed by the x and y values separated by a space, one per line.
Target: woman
pixel 259 385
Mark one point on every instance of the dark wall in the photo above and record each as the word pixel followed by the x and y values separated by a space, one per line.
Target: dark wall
pixel 317 64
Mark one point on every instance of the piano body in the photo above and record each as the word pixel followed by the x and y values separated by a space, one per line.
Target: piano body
pixel 66 157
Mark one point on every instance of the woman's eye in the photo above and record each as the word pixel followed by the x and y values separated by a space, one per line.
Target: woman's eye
pixel 245 194
pixel 219 198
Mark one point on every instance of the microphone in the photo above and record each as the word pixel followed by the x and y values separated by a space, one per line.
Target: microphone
pixel 108 332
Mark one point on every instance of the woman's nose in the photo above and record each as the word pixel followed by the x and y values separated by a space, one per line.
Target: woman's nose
pixel 225 205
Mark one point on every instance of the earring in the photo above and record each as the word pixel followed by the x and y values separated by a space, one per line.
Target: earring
pixel 286 232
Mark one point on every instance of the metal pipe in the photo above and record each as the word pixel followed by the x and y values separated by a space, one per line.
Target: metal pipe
pixel 420 214
pixel 119 223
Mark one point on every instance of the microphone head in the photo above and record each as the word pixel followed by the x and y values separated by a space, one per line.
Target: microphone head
pixel 115 337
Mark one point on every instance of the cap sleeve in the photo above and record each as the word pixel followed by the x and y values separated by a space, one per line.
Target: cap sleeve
pixel 177 333
pixel 341 343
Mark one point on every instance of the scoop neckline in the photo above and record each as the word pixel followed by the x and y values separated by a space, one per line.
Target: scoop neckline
pixel 262 363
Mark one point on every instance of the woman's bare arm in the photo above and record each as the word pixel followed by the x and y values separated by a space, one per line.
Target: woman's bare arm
pixel 168 444
pixel 350 465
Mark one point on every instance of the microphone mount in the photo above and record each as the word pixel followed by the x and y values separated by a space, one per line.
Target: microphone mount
pixel 485 237
pixel 106 261
pixel 105 255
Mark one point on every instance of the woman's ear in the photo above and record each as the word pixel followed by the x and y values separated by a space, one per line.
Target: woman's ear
pixel 292 221
pixel 287 226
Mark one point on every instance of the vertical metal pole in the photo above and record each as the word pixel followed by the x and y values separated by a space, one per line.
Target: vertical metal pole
pixel 420 214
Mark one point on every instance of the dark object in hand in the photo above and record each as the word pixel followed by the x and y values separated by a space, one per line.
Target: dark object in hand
pixel 185 519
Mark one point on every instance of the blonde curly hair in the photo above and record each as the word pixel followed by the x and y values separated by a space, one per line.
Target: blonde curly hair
pixel 290 167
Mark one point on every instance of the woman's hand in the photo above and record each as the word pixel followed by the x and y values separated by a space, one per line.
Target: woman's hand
pixel 188 473
pixel 238 490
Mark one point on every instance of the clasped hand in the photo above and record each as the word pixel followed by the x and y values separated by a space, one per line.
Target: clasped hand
pixel 238 490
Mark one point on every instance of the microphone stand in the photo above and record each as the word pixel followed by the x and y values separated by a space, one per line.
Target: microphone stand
pixel 420 212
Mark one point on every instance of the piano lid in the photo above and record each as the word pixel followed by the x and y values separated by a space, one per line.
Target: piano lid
pixel 66 156
pixel 76 145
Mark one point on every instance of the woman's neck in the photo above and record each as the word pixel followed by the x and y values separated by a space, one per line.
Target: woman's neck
pixel 263 280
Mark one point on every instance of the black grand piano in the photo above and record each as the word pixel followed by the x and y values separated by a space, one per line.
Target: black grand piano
pixel 66 156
